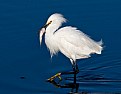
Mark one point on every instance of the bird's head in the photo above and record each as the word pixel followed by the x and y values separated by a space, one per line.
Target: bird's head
pixel 55 20
pixel 53 23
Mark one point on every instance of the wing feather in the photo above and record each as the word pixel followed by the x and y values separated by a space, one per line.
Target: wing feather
pixel 79 39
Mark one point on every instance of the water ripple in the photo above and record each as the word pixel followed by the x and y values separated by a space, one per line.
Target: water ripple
pixel 100 72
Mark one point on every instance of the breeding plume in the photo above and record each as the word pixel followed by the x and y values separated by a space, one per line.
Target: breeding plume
pixel 70 41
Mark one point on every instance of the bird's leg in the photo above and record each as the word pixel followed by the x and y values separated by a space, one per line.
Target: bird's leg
pixel 77 69
pixel 74 65
pixel 53 77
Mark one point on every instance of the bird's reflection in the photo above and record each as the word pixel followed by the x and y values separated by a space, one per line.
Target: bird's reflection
pixel 73 86
pixel 60 81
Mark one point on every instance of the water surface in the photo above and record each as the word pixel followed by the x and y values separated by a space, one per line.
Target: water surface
pixel 24 65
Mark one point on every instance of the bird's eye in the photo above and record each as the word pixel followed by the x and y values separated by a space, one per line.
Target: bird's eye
pixel 50 21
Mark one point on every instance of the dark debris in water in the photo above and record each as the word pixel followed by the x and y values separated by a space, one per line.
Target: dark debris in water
pixel 22 77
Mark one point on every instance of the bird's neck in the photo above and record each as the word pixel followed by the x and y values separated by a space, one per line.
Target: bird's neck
pixel 52 28
pixel 50 39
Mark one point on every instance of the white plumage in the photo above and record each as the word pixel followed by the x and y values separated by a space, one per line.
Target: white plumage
pixel 73 43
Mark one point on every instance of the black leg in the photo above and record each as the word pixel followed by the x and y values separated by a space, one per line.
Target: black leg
pixel 74 73
pixel 77 69
pixel 73 66
pixel 74 69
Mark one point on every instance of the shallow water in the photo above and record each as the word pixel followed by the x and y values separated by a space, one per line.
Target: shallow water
pixel 25 66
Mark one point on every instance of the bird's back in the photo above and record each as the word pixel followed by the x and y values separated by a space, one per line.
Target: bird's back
pixel 76 42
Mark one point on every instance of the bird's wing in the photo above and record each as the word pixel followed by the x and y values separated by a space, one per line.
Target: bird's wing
pixel 74 36
pixel 78 38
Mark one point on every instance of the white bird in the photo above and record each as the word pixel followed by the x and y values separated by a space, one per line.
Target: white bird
pixel 70 41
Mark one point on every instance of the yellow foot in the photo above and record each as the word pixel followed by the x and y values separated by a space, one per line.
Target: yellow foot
pixel 53 77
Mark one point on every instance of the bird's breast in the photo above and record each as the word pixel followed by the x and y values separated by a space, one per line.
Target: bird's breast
pixel 51 43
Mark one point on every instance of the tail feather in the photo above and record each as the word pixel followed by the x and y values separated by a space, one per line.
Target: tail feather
pixel 100 42
pixel 99 48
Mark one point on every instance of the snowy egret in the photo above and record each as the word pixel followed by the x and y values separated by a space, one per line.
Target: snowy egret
pixel 68 40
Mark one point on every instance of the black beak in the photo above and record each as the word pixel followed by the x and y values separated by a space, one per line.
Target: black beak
pixel 45 26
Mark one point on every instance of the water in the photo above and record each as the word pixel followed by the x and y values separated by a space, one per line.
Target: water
pixel 25 66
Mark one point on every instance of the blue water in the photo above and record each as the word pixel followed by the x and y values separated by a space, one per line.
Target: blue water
pixel 25 66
